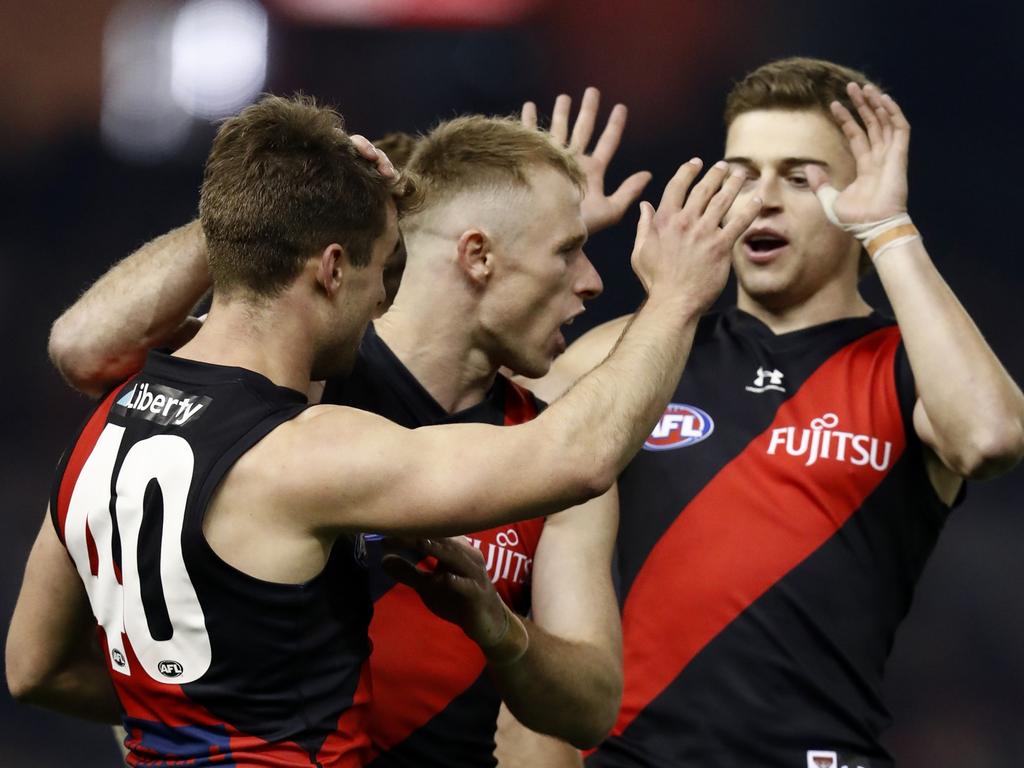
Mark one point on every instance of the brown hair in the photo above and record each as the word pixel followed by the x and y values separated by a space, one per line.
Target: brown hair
pixel 477 151
pixel 398 146
pixel 282 182
pixel 795 84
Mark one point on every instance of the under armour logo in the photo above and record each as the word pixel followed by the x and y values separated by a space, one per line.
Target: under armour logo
pixel 773 378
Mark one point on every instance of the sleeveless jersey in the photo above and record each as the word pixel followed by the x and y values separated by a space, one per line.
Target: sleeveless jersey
pixel 773 528
pixel 212 666
pixel 434 703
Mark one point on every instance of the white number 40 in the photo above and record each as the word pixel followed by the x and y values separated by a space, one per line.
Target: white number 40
pixel 118 606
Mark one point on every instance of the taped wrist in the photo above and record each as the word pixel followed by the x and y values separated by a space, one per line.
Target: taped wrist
pixel 511 644
pixel 877 237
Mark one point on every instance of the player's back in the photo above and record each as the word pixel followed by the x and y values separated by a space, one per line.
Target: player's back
pixel 211 665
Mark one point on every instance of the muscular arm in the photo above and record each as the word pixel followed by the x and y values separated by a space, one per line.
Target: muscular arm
pixel 440 480
pixel 143 302
pixel 51 655
pixel 569 682
pixel 969 411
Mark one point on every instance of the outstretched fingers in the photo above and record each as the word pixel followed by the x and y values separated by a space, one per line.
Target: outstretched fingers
pixel 583 128
pixel 867 114
pixel 699 198
pixel 560 119
pixel 630 190
pixel 608 143
pixel 528 115
pixel 853 132
pixel 721 201
pixel 677 187
pixel 740 218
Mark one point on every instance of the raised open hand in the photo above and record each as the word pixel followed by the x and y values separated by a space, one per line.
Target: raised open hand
pixel 879 191
pixel 684 246
pixel 599 209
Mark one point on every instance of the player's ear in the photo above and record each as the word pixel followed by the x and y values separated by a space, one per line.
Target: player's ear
pixel 474 256
pixel 329 268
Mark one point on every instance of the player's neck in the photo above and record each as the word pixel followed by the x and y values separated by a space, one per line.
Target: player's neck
pixel 786 314
pixel 434 340
pixel 270 340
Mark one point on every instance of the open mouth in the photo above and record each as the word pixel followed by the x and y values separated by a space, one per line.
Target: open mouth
pixel 764 244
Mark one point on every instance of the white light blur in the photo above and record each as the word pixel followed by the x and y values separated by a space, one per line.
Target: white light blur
pixel 218 56
pixel 139 119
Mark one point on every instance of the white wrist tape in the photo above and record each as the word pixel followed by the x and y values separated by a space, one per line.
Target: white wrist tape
pixel 877 237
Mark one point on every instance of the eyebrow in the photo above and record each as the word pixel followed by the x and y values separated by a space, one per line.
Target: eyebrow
pixel 786 162
pixel 572 243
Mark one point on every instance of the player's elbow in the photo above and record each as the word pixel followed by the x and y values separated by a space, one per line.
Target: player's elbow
pixel 992 451
pixel 592 479
pixel 596 721
pixel 597 727
pixel 80 368
pixel 26 679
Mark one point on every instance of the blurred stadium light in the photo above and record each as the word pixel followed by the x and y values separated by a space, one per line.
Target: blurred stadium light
pixel 165 63
pixel 218 56
pixel 139 118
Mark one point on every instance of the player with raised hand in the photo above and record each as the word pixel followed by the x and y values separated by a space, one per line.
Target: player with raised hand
pixel 776 522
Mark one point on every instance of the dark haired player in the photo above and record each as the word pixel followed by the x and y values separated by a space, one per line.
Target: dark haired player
pixel 777 520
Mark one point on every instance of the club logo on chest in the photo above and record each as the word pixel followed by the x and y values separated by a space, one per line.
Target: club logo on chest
pixel 767 381
pixel 679 426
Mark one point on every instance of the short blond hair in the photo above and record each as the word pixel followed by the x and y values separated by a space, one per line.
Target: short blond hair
pixel 474 151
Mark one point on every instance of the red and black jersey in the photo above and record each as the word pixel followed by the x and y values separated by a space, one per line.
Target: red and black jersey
pixel 773 528
pixel 433 702
pixel 212 666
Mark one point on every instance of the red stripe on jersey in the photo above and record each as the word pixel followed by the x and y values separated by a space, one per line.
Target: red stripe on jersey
pixel 403 703
pixel 83 447
pixel 349 745
pixel 520 406
pixel 758 518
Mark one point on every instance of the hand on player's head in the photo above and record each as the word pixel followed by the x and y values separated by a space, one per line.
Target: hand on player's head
pixel 683 247
pixel 376 156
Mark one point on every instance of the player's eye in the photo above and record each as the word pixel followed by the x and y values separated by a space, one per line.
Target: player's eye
pixel 798 180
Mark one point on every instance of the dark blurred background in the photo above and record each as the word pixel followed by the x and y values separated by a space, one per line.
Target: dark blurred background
pixel 107 114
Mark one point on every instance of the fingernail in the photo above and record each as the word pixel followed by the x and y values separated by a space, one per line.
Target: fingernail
pixel 695 161
pixel 721 164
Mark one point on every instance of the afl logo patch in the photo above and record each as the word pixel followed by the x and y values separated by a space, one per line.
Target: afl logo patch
pixel 679 426
pixel 170 669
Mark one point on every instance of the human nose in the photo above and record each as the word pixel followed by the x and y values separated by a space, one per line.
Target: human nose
pixel 768 187
pixel 588 282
